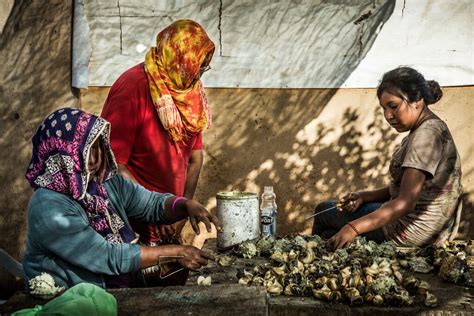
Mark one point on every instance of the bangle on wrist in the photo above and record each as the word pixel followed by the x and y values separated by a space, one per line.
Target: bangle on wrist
pixel 353 228
pixel 173 206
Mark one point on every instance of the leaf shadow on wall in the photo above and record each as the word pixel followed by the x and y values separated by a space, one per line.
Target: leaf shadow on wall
pixel 263 147
pixel 302 174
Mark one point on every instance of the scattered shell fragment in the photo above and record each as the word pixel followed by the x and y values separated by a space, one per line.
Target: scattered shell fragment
pixel 423 287
pixel 225 261
pixel 431 300
pixel 245 280
pixel 202 280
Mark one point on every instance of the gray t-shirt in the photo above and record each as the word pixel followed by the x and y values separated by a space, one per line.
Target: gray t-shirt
pixel 429 148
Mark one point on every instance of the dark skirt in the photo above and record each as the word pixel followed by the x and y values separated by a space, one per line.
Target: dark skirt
pixel 329 223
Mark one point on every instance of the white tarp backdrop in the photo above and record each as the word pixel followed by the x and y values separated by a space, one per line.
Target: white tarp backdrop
pixel 284 44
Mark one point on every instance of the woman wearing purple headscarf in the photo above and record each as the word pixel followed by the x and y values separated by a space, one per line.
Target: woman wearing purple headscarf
pixel 78 228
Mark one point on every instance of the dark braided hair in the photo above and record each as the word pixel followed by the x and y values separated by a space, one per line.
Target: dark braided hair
pixel 410 85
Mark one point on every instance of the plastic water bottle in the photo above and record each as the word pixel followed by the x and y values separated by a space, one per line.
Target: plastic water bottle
pixel 268 211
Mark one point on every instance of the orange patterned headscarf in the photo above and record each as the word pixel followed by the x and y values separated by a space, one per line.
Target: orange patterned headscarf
pixel 172 68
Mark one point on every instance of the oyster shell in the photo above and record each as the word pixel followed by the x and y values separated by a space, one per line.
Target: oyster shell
pixel 245 280
pixel 452 269
pixel 259 270
pixel 403 263
pixel 332 284
pixel 248 249
pixel 378 300
pixel 308 256
pixel 354 296
pixel 335 296
pixel 282 245
pixel 265 245
pixel 275 288
pixel 355 281
pixel 398 276
pixel 420 264
pixel 323 293
pixel 44 286
pixel 411 284
pixel 281 257
pixel 279 270
pixel 257 280
pixel 383 285
pixel 470 248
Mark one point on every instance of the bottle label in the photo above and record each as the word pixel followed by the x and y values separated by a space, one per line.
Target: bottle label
pixel 267 222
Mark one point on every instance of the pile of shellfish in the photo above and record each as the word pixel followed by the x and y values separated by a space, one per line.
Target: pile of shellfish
pixel 363 273
pixel 454 261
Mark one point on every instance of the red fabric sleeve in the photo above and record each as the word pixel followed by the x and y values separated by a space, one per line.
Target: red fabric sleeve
pixel 198 143
pixel 122 110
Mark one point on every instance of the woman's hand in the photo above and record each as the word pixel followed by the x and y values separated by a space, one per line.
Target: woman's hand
pixel 198 213
pixel 194 258
pixel 165 231
pixel 187 256
pixel 351 202
pixel 169 233
pixel 342 238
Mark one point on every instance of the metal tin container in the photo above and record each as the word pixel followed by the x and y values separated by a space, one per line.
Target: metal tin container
pixel 239 216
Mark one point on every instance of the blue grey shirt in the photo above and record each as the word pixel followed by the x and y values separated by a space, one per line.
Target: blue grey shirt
pixel 61 242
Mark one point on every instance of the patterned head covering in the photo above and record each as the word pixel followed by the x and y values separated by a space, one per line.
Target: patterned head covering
pixel 172 67
pixel 61 149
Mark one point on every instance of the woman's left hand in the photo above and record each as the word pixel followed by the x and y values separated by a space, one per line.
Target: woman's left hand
pixel 342 238
pixel 198 213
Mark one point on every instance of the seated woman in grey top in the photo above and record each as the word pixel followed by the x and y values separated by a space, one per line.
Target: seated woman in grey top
pixel 419 205
pixel 78 227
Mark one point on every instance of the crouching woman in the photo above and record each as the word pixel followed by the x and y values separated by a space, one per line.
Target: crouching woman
pixel 78 215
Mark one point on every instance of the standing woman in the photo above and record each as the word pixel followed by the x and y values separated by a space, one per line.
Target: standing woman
pixel 158 110
pixel 419 205
pixel 78 215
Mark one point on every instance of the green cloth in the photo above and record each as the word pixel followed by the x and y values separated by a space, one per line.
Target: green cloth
pixel 82 299
pixel 61 242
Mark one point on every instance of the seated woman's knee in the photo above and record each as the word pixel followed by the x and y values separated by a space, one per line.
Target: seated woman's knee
pixel 323 206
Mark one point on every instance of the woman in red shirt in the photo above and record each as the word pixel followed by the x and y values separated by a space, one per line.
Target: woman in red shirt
pixel 158 110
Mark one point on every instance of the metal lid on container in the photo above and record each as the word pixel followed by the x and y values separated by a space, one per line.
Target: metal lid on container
pixel 236 195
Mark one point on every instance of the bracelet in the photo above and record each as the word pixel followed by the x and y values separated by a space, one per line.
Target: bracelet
pixel 173 210
pixel 353 227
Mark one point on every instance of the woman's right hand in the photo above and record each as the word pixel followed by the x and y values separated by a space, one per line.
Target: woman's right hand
pixel 198 213
pixel 351 201
pixel 193 258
